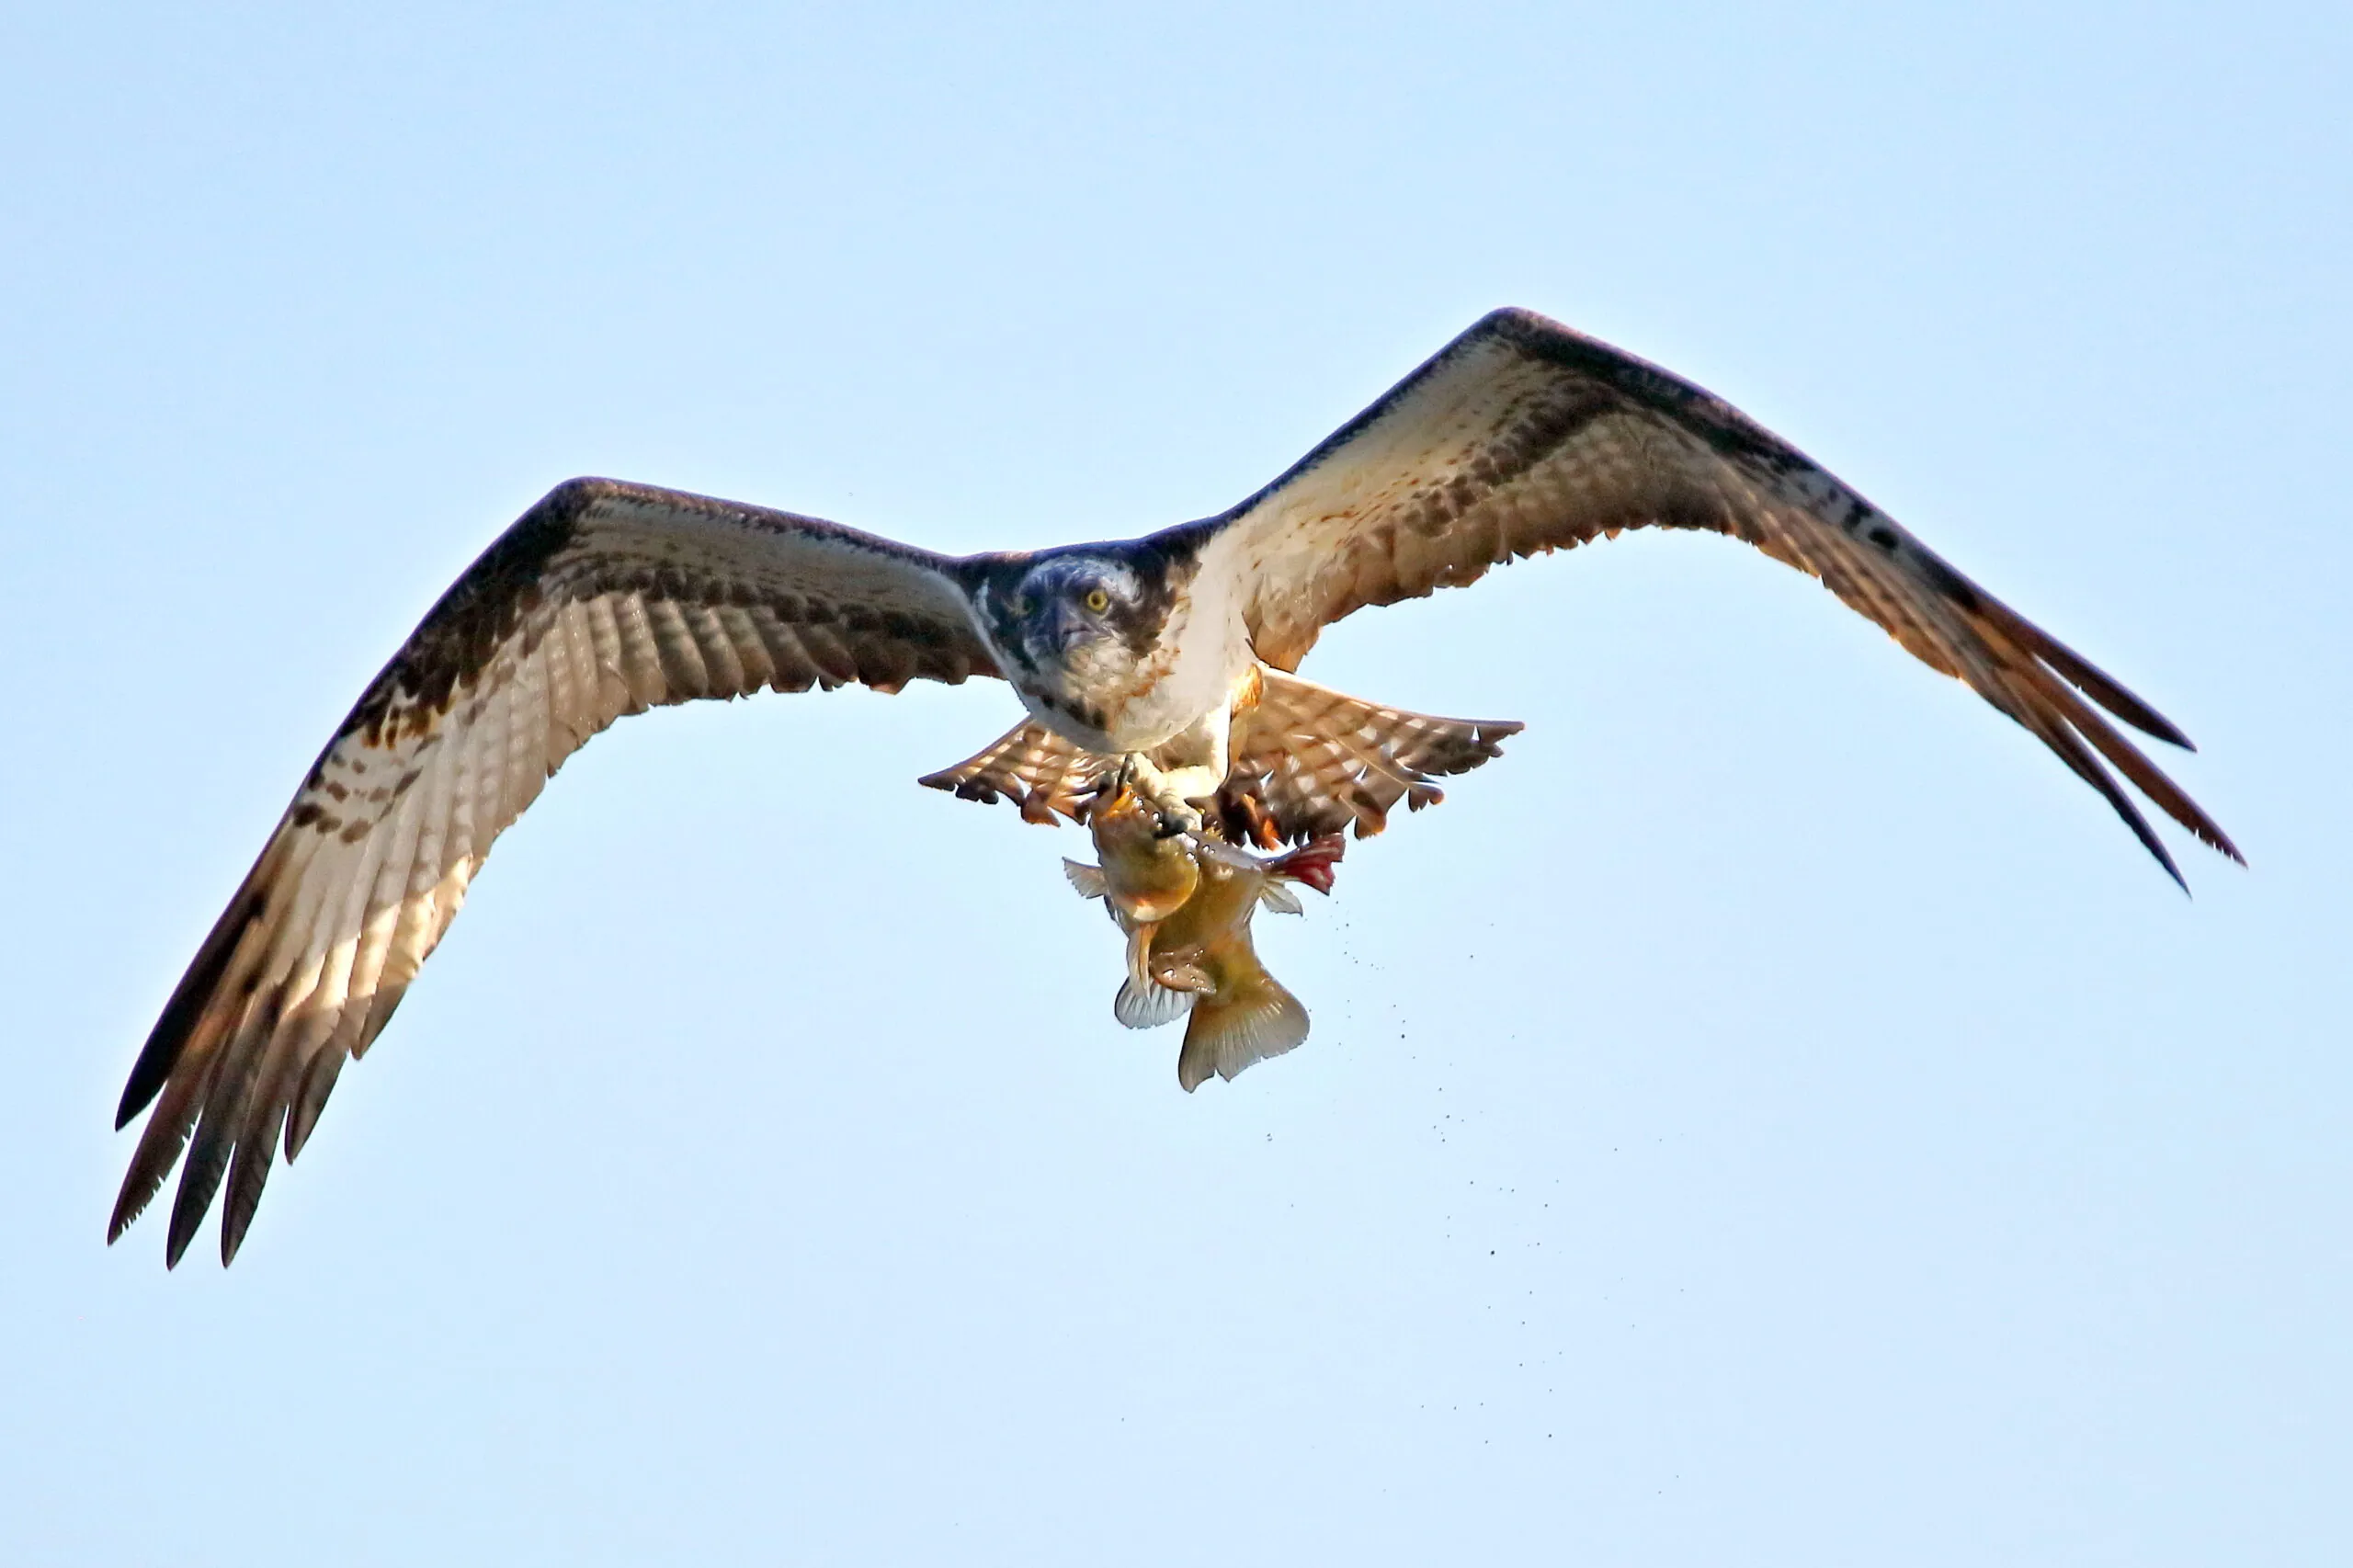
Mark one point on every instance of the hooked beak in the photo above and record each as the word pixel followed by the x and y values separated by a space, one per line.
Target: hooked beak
pixel 1066 628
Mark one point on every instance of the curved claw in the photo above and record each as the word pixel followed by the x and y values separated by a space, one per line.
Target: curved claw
pixel 1179 820
pixel 1167 793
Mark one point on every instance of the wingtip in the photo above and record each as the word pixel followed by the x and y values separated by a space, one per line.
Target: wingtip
pixel 187 1218
pixel 2149 840
pixel 148 1076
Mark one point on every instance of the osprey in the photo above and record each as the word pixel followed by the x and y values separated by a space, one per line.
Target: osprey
pixel 1169 656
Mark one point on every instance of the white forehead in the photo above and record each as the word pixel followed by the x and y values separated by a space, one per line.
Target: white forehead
pixel 1114 573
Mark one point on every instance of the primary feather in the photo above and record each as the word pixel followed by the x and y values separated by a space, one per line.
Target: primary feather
pixel 604 600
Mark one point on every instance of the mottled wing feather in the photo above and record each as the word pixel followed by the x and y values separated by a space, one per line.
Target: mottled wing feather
pixel 1318 760
pixel 1038 770
pixel 1523 437
pixel 605 599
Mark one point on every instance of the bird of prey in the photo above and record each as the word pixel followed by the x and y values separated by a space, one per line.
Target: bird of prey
pixel 1170 656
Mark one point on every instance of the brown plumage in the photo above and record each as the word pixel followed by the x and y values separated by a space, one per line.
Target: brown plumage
pixel 1519 437
pixel 1522 436
pixel 604 600
pixel 1306 759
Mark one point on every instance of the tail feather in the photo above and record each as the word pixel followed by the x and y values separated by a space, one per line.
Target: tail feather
pixel 1307 761
pixel 1038 770
pixel 1318 759
pixel 1258 1019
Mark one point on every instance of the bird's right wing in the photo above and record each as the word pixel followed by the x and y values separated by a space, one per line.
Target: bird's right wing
pixel 603 599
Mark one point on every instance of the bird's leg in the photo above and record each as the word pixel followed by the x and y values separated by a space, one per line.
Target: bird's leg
pixel 1197 759
pixel 1171 792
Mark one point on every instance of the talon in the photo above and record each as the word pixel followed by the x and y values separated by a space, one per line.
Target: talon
pixel 1179 822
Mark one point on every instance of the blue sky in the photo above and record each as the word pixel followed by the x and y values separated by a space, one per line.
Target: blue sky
pixel 1774 1115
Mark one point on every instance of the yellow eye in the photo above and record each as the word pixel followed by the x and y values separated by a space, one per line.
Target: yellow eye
pixel 1097 601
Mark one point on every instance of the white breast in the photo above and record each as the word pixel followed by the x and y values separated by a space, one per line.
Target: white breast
pixel 1203 651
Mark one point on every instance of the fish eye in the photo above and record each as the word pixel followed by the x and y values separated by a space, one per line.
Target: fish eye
pixel 1097 601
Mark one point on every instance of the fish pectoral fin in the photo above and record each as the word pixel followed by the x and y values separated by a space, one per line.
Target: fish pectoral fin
pixel 1279 897
pixel 1258 1019
pixel 1148 1003
pixel 1087 881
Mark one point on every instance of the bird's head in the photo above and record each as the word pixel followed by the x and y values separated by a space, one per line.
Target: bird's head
pixel 1076 611
pixel 1083 630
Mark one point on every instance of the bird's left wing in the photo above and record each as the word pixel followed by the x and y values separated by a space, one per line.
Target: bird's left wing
pixel 603 600
pixel 1522 436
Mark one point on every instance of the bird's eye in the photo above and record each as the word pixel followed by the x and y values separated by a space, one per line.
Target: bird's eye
pixel 1097 601
pixel 1021 603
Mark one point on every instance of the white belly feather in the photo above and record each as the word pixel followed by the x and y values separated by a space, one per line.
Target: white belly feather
pixel 1202 653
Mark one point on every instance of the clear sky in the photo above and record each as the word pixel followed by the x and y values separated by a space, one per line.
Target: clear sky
pixel 1775 1115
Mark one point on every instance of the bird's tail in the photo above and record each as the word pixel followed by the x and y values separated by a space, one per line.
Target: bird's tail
pixel 1307 761
pixel 1039 771
pixel 1313 760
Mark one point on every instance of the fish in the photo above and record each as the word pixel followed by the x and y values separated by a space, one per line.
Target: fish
pixel 1186 903
pixel 1145 876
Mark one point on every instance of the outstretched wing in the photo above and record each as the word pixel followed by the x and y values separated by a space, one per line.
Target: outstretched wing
pixel 603 599
pixel 1522 436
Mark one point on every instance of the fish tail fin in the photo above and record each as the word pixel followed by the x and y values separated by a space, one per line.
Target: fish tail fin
pixel 1085 880
pixel 1275 893
pixel 1255 1019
